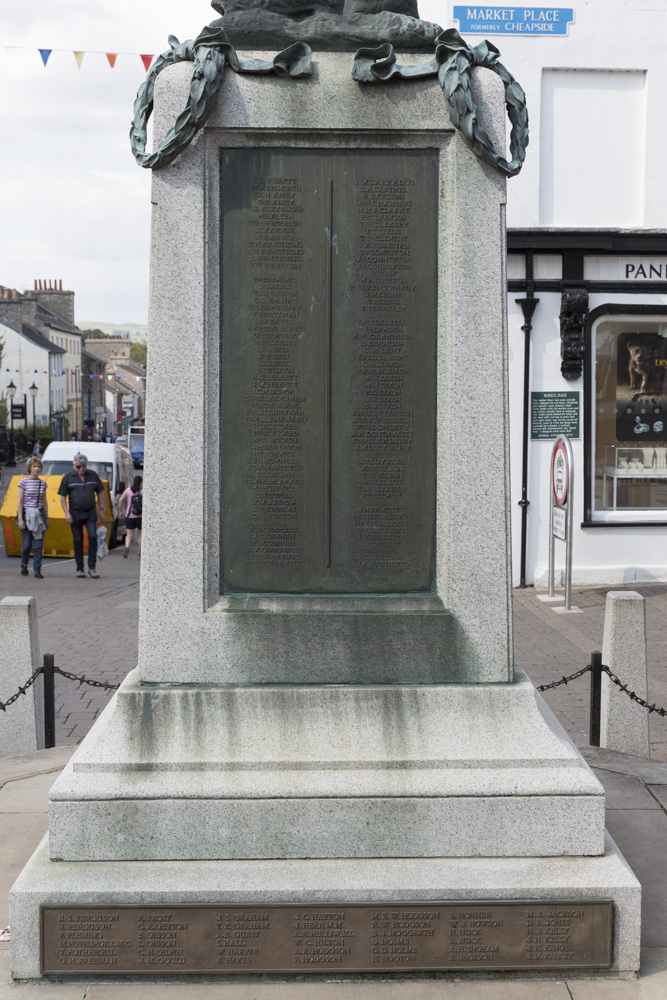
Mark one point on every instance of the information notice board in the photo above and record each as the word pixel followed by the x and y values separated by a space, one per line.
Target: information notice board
pixel 554 413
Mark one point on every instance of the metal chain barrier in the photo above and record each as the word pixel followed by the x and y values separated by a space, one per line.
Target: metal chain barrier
pixel 631 694
pixel 612 677
pixel 84 680
pixel 4 705
pixel 564 680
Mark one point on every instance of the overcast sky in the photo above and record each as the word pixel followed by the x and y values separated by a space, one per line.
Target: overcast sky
pixel 75 206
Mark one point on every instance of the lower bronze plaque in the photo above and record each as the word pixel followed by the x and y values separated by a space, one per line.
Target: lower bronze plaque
pixel 315 938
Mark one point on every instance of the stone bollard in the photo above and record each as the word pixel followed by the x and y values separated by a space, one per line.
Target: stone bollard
pixel 19 658
pixel 623 723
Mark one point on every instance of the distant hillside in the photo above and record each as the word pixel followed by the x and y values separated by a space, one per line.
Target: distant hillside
pixel 137 331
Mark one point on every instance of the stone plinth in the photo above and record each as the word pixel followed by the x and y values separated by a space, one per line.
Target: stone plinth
pixel 19 658
pixel 302 729
pixel 326 772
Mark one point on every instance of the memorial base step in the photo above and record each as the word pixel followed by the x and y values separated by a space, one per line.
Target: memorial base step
pixel 554 885
pixel 178 772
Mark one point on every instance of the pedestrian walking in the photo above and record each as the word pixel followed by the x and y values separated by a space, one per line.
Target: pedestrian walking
pixel 37 449
pixel 133 499
pixel 79 488
pixel 32 517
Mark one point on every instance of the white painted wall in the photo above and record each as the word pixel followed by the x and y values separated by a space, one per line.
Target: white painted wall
pixel 612 113
pixel 28 363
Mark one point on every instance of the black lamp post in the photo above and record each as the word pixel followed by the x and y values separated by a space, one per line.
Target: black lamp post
pixel 11 392
pixel 33 390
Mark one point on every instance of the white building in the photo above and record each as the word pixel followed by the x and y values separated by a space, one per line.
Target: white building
pixel 587 237
pixel 29 358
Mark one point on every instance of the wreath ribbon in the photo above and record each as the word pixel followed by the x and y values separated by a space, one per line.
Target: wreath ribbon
pixel 209 52
pixel 452 64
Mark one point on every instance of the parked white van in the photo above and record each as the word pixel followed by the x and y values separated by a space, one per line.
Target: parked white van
pixel 112 462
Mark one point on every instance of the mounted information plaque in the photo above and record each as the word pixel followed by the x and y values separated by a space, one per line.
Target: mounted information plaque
pixel 336 937
pixel 328 373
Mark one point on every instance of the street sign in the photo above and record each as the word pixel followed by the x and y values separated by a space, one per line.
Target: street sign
pixel 560 473
pixel 554 413
pixel 559 522
pixel 18 411
pixel 537 21
pixel 561 479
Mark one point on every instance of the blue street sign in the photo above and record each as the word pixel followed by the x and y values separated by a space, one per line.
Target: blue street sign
pixel 538 21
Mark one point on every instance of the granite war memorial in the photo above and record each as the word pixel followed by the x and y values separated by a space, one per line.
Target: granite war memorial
pixel 325 761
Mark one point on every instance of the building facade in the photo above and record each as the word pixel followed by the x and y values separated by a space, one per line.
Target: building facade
pixel 30 359
pixel 587 280
pixel 35 309
pixel 126 381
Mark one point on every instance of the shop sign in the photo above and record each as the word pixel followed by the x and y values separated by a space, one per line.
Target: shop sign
pixel 554 413
pixel 625 268
pixel 18 411
pixel 538 21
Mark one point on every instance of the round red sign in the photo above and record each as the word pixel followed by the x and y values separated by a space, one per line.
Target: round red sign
pixel 560 474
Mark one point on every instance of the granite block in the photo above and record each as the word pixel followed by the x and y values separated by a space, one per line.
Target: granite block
pixel 19 658
pixel 461 632
pixel 623 723
pixel 327 881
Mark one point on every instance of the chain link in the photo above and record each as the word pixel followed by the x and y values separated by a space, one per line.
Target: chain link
pixel 85 680
pixel 4 705
pixel 564 680
pixel 631 694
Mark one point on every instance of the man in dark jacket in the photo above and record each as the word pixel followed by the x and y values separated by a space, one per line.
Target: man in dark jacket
pixel 80 488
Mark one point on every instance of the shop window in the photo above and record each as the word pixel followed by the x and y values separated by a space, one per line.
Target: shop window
pixel 629 419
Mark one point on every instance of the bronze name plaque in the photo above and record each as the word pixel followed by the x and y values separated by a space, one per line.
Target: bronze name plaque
pixel 328 369
pixel 339 937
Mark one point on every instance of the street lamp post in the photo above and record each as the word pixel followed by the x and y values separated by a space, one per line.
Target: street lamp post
pixel 33 390
pixel 11 392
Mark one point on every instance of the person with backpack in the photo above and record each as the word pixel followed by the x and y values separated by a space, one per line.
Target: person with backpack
pixel 133 500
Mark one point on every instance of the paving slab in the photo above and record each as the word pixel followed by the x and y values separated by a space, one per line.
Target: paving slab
pixel 643 836
pixel 441 990
pixel 621 791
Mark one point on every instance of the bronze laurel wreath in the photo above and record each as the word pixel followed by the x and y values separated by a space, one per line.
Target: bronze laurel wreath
pixel 209 52
pixel 455 60
pixel 453 63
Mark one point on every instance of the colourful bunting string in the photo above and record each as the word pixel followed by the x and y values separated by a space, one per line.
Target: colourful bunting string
pixel 111 57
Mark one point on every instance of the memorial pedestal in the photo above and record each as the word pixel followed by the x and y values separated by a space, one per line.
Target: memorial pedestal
pixel 325 711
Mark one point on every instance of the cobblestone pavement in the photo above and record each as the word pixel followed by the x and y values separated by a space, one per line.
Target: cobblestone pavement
pixel 548 646
pixel 91 627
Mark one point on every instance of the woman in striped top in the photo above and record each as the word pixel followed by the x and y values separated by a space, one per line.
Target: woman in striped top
pixel 33 518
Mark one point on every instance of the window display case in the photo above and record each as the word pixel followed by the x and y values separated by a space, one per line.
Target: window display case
pixel 623 463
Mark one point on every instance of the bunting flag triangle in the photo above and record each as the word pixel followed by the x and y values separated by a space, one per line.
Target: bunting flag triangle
pixel 111 56
pixel 79 58
pixel 146 60
pixel 45 53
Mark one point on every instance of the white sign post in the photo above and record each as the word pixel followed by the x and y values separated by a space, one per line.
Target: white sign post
pixel 561 512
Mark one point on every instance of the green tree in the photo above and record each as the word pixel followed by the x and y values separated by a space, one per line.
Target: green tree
pixel 93 333
pixel 138 352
